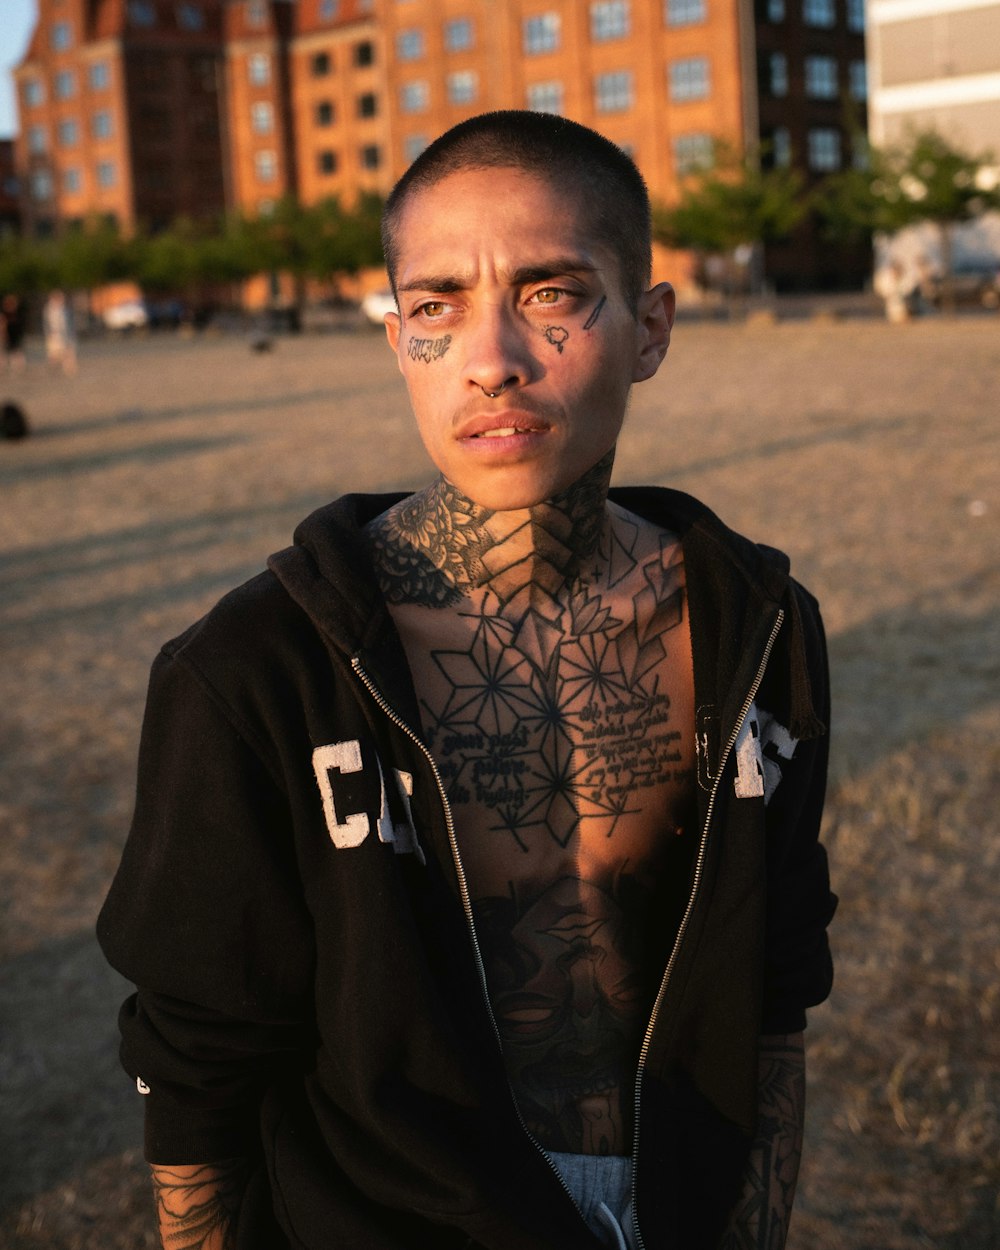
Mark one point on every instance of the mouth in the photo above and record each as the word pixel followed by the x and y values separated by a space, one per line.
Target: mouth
pixel 500 426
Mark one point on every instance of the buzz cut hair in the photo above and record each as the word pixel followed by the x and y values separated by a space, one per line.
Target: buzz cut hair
pixel 601 177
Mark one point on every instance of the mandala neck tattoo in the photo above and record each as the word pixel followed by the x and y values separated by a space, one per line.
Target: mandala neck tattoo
pixel 438 546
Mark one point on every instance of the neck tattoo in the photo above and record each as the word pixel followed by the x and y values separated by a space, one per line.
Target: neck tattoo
pixel 438 546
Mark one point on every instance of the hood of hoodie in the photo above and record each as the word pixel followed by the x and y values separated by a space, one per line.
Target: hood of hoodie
pixel 736 589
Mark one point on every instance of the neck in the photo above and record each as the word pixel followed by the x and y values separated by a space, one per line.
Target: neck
pixel 439 546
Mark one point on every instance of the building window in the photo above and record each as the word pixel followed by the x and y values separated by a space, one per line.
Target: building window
pixel 106 174
pixel 367 105
pixel 371 157
pixel 324 113
pixel 458 35
pixel 190 17
pixel 545 97
pixel 142 13
pixel 856 15
pixel 364 53
pixel 259 69
pixel 777 73
pixel 61 37
pixel 413 98
pixel 820 13
pixel 68 132
pixel 98 76
pixel 65 86
pixel 857 76
pixel 861 153
pixel 100 124
pixel 72 182
pixel 319 66
pixel 413 145
pixel 541 34
pixel 821 78
pixel 33 92
pixel 328 10
pixel 265 166
pixel 463 87
pixel 256 11
pixel 41 185
pixel 326 161
pixel 824 149
pixel 781 147
pixel 37 140
pixel 684 12
pixel 613 92
pixel 410 45
pixel 262 117
pixel 693 152
pixel 609 20
pixel 689 79
pixel 775 10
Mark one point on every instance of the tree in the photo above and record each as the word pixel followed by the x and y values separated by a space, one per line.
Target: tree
pixel 732 207
pixel 925 179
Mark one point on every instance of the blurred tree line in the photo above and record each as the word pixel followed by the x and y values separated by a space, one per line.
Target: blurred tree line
pixel 196 259
pixel 727 210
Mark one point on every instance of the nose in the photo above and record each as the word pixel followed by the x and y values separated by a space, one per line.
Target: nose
pixel 497 357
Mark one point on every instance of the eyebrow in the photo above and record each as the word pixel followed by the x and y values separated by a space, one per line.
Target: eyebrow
pixel 560 266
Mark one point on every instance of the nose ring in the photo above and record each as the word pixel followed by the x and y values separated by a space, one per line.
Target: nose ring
pixel 493 394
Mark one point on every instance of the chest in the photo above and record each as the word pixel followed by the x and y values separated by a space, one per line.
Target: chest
pixel 565 738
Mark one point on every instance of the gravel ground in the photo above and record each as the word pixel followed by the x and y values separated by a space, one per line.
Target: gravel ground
pixel 168 469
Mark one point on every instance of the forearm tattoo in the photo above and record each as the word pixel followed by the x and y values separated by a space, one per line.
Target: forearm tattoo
pixel 556 335
pixel 195 1206
pixel 427 350
pixel 761 1217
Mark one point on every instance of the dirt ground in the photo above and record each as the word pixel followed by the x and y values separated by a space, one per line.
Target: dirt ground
pixel 168 469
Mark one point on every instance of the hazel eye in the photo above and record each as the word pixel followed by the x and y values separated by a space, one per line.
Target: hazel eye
pixel 548 295
pixel 433 308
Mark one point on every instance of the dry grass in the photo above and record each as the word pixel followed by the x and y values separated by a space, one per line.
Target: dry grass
pixel 168 470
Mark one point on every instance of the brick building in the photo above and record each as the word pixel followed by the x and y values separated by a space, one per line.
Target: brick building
pixel 120 112
pixel 334 97
pixel 10 198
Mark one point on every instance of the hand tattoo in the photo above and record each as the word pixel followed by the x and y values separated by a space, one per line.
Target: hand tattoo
pixel 427 350
pixel 195 1206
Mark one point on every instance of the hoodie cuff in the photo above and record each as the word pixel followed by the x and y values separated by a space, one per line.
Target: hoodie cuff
pixel 176 1134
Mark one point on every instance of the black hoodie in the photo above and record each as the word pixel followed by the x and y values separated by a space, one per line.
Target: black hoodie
pixel 292 907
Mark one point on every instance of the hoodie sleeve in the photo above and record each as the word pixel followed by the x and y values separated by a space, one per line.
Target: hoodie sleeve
pixel 798 970
pixel 205 917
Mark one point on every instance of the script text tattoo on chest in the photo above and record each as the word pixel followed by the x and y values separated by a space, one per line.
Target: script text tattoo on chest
pixel 549 722
pixel 428 350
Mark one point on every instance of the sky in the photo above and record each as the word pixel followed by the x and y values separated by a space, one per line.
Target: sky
pixel 17 20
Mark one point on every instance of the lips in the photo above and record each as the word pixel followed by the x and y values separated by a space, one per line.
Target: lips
pixel 504 424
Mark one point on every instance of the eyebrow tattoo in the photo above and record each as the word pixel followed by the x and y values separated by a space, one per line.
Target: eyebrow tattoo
pixel 427 350
pixel 592 319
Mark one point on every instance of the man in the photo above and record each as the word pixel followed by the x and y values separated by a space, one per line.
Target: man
pixel 474 894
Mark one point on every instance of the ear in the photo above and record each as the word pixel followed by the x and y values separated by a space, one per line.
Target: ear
pixel 393 326
pixel 655 317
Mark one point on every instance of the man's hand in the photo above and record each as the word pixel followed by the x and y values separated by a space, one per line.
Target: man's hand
pixel 760 1217
pixel 196 1204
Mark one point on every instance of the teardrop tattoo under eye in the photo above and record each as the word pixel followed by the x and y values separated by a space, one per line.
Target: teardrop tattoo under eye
pixel 592 319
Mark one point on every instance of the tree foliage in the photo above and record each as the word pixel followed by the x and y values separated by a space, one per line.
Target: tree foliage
pixel 735 202
pixel 320 241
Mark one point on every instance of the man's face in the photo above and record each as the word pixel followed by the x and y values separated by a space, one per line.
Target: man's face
pixel 502 288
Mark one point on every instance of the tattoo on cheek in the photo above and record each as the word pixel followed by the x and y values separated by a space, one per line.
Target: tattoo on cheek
pixel 428 349
pixel 556 335
pixel 592 319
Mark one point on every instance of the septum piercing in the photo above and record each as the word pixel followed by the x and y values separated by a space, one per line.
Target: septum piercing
pixel 493 394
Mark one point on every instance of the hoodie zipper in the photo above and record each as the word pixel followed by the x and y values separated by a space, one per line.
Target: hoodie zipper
pixel 686 918
pixel 463 889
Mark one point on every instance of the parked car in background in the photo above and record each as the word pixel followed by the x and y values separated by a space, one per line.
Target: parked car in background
pixel 376 304
pixel 974 280
pixel 129 315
